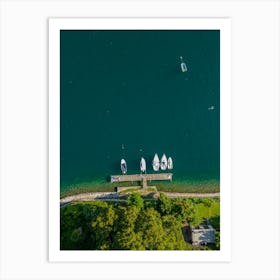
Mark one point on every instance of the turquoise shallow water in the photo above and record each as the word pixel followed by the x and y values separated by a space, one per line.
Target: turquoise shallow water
pixel 123 95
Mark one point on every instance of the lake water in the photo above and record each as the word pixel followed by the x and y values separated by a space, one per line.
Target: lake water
pixel 123 95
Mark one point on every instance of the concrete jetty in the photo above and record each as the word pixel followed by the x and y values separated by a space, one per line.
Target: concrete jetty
pixel 142 178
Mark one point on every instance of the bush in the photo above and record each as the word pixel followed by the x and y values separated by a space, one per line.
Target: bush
pixel 135 199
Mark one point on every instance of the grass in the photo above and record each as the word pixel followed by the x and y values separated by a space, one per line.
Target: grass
pixel 212 214
pixel 129 191
pixel 132 190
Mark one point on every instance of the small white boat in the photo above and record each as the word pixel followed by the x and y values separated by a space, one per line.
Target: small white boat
pixel 169 163
pixel 142 165
pixel 183 65
pixel 123 166
pixel 163 162
pixel 156 163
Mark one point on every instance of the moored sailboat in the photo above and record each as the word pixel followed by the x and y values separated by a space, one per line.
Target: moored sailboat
pixel 169 163
pixel 156 162
pixel 143 165
pixel 163 162
pixel 123 166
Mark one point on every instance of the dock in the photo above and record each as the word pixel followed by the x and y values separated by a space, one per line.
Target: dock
pixel 141 178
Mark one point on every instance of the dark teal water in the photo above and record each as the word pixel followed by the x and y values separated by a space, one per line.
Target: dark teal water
pixel 123 95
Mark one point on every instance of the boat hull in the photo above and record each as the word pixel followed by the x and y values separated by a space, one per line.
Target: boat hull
pixel 123 166
pixel 156 163
pixel 143 165
pixel 169 163
pixel 163 162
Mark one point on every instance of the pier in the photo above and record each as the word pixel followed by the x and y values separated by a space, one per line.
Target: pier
pixel 142 178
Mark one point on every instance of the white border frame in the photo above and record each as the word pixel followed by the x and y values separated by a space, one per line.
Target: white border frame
pixel 55 25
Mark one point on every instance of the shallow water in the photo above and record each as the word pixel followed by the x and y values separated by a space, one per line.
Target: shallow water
pixel 124 95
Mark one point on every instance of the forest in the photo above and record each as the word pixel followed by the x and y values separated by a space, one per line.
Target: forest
pixel 136 224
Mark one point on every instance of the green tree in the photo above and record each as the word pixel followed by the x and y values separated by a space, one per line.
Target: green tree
pixel 135 199
pixel 71 222
pixel 207 202
pixel 102 227
pixel 173 237
pixel 164 204
pixel 149 225
pixel 126 238
pixel 184 210
pixel 99 225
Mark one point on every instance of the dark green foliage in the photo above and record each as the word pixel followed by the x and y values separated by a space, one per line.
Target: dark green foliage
pixel 102 227
pixel 150 204
pixel 164 204
pixel 217 236
pixel 207 202
pixel 183 209
pixel 215 222
pixel 149 225
pixel 135 199
pixel 173 238
pixel 135 225
pixel 126 238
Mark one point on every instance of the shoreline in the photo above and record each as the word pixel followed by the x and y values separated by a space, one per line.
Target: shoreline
pixel 114 196
pixel 203 186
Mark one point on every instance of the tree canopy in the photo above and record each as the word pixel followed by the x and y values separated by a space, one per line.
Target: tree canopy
pixel 135 225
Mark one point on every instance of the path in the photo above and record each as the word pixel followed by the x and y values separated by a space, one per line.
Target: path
pixel 114 196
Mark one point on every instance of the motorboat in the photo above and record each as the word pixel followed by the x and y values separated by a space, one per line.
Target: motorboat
pixel 143 165
pixel 163 162
pixel 183 65
pixel 169 163
pixel 156 162
pixel 123 166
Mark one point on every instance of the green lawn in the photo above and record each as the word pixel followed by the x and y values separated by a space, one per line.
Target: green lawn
pixel 212 213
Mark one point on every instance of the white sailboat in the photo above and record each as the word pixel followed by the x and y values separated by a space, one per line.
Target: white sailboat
pixel 169 163
pixel 156 162
pixel 142 165
pixel 163 162
pixel 123 166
